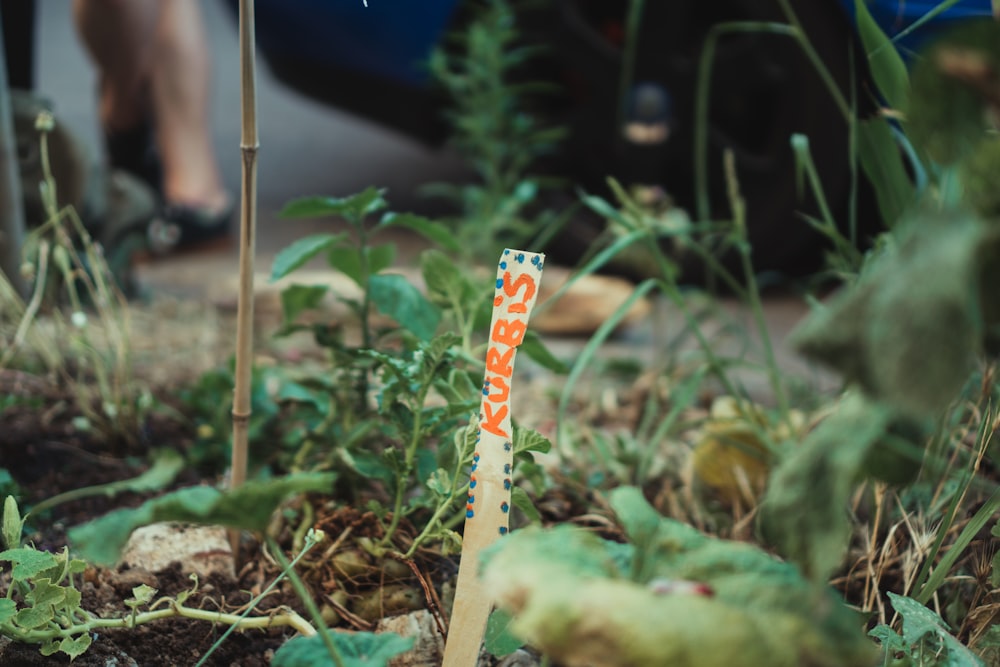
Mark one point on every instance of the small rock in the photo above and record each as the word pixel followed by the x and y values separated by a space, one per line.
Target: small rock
pixel 199 549
pixel 428 649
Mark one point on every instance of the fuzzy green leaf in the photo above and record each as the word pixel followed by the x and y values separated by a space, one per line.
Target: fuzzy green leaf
pixel 28 562
pixel 355 206
pixel 380 257
pixel 884 62
pixel 430 230
pixel 393 295
pixel 447 286
pixel 347 260
pixel 360 649
pixel 301 251
pixel 249 508
pixel 529 440
pixel 12 524
pixel 519 498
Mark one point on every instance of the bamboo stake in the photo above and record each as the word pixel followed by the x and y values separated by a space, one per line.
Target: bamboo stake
pixel 487 511
pixel 248 233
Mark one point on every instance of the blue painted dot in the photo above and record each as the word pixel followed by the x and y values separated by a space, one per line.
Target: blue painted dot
pixel 469 514
pixel 499 283
pixel 503 265
pixel 506 484
pixel 472 499
pixel 503 530
pixel 506 446
pixel 486 391
pixel 472 484
pixel 504 507
pixel 520 258
pixel 475 457
pixel 506 251
pixel 506 468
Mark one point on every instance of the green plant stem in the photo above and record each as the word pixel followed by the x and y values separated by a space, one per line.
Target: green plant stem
pixel 308 602
pixel 408 457
pixel 632 23
pixel 284 619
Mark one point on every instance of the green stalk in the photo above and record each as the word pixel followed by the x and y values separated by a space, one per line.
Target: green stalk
pixel 308 602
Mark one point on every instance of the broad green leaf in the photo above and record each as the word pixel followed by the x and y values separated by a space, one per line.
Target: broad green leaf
pixel 528 440
pixel 249 508
pixel 380 257
pixel 447 286
pixel 433 231
pixel 34 617
pixel 28 562
pixel 301 251
pixel 74 647
pixel 920 623
pixel 393 295
pixel 533 346
pixel 358 649
pixel 804 511
pixel 884 62
pixel 296 299
pixel 499 640
pixel 45 593
pixel 141 595
pixel 355 206
pixel 347 260
pixel 887 638
pixel 882 161
pixel 7 609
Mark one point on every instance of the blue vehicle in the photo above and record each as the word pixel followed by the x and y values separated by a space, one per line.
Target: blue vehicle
pixel 369 60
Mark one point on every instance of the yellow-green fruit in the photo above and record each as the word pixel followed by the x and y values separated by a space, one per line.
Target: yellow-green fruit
pixel 730 459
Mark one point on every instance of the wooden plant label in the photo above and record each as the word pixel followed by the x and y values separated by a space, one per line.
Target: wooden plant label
pixel 488 507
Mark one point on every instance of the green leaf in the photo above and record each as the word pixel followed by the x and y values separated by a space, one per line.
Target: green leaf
pixel 430 230
pixel 882 161
pixel 533 346
pixel 529 440
pixel 75 647
pixel 447 286
pixel 920 624
pixel 12 524
pixel 347 260
pixel 141 595
pixel 298 298
pixel 995 569
pixel 359 649
pixel 249 508
pixel 393 295
pixel 884 62
pixel 28 562
pixel 890 642
pixel 499 640
pixel 519 497
pixel 7 609
pixel 301 251
pixel 355 206
pixel 380 257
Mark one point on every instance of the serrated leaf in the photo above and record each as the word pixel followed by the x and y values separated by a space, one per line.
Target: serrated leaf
pixel 359 649
pixel 529 440
pixel 884 62
pixel 74 647
pixel 34 617
pixel 499 640
pixel 393 295
pixel 887 638
pixel 301 251
pixel 7 609
pixel 248 507
pixel 447 286
pixel 519 498
pixel 430 230
pixel 355 206
pixel 533 346
pixel 298 298
pixel 28 562
pixel 141 595
pixel 439 482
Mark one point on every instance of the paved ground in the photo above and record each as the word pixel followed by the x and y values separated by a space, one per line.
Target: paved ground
pixel 305 149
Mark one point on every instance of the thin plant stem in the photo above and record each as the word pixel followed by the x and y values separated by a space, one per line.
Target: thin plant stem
pixel 308 602
pixel 311 541
pixel 632 23
pixel 249 145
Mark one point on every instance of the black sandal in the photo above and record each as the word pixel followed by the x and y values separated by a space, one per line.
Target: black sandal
pixel 179 226
pixel 134 151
